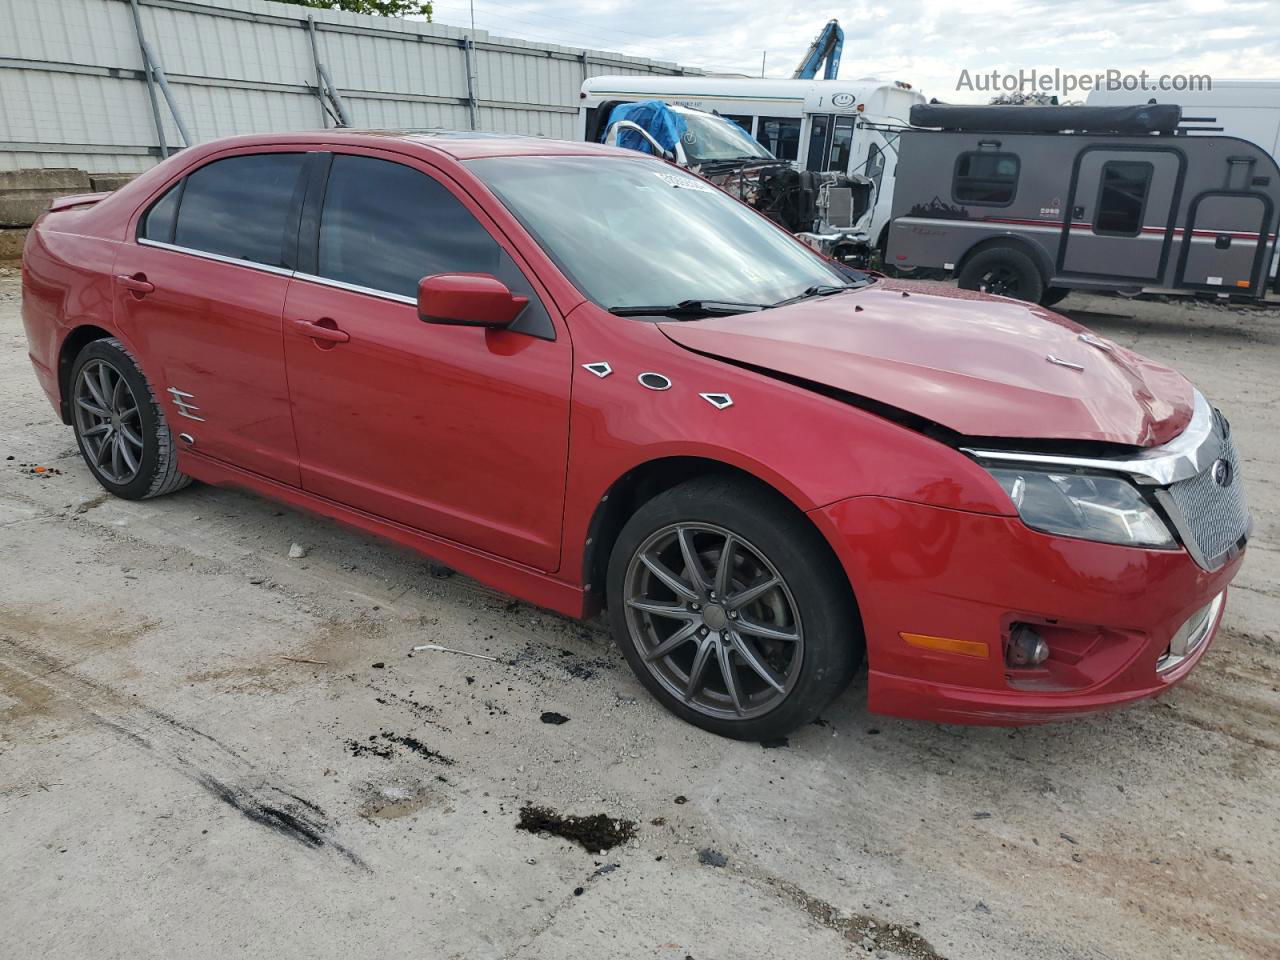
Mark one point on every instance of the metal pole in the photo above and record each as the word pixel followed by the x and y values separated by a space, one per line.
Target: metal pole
pixel 161 79
pixel 315 59
pixel 338 104
pixel 764 54
pixel 151 87
pixel 471 78
pixel 471 89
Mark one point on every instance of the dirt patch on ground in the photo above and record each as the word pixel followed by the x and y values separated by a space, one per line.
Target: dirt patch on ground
pixel 595 833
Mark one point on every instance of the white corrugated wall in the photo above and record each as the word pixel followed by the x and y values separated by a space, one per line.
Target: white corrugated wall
pixel 72 92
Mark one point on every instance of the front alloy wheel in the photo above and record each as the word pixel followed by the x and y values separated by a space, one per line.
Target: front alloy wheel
pixel 731 608
pixel 717 624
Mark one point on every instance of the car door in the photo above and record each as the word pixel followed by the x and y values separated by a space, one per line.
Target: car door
pixel 458 431
pixel 200 292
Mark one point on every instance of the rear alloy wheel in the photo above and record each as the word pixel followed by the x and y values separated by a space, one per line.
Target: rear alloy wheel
pixel 730 608
pixel 119 426
pixel 108 422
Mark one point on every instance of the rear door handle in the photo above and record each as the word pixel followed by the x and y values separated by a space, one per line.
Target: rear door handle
pixel 319 331
pixel 137 283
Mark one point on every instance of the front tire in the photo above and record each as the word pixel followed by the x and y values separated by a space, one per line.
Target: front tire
pixel 732 610
pixel 120 427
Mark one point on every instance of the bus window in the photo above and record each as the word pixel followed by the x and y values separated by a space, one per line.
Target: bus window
pixel 819 131
pixel 781 136
pixel 841 145
pixel 875 164
pixel 744 120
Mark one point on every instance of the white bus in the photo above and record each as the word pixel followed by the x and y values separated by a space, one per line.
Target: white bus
pixel 1248 109
pixel 845 125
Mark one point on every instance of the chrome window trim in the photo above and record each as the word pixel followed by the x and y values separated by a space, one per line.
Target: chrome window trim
pixel 206 255
pixel 356 288
pixel 1182 457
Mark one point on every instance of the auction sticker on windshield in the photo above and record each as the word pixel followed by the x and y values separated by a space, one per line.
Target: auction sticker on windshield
pixel 686 183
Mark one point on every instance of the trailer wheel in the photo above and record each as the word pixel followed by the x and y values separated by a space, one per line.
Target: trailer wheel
pixel 1053 295
pixel 1005 272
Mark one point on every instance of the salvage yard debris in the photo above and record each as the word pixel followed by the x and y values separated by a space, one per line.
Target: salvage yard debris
pixel 461 653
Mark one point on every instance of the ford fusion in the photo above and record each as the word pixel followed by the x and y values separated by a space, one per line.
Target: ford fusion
pixel 592 380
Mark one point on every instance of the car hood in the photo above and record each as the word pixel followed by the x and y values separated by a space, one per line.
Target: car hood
pixel 975 364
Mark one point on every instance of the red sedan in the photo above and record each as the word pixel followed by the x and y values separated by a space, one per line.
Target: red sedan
pixel 588 378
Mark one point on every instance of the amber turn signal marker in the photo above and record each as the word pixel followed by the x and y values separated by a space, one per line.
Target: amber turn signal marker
pixel 966 648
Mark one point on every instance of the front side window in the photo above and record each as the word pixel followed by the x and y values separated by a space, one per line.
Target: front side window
pixel 986 178
pixel 385 226
pixel 632 232
pixel 780 136
pixel 875 164
pixel 238 207
pixel 1123 197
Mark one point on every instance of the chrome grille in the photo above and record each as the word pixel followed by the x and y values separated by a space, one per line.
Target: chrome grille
pixel 1212 517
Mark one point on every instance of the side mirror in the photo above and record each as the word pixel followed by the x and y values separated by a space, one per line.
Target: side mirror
pixel 468 300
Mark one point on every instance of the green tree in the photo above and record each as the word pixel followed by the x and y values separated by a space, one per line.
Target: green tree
pixel 379 8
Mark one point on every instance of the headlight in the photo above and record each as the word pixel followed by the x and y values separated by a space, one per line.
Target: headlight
pixel 1106 509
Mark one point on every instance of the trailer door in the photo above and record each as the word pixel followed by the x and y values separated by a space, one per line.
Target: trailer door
pixel 1225 244
pixel 1119 219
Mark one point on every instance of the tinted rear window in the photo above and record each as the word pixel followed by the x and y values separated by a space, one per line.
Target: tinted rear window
pixel 239 207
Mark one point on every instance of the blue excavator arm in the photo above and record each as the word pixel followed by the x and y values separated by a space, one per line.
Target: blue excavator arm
pixel 826 47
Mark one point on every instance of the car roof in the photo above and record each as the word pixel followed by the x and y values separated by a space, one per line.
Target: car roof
pixel 458 144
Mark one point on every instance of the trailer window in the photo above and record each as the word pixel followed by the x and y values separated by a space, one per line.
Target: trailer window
pixel 781 136
pixel 1123 197
pixel 985 178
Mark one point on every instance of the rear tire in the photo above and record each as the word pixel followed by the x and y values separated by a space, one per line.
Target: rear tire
pixel 1004 272
pixel 778 615
pixel 120 427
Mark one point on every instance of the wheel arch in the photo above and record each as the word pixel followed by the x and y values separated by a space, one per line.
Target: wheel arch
pixel 1039 256
pixel 645 481
pixel 76 340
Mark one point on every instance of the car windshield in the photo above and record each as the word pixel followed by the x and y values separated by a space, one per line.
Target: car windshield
pixel 707 138
pixel 632 232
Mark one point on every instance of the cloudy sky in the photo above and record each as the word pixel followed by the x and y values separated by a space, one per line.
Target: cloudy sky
pixel 925 42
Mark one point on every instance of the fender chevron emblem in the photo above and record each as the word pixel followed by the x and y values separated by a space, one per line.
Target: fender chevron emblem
pixel 182 400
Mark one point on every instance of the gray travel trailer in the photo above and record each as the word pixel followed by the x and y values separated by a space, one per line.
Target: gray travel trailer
pixel 1034 201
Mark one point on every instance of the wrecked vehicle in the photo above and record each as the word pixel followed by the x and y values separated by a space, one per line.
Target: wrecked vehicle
pixel 590 378
pixel 821 208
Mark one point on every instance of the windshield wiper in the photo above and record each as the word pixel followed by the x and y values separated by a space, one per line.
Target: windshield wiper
pixel 689 308
pixel 819 290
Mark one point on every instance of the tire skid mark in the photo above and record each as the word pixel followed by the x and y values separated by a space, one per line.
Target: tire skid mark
pixel 214 767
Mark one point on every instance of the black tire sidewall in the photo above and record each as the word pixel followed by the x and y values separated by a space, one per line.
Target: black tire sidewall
pixel 144 480
pixel 1031 282
pixel 1053 295
pixel 828 613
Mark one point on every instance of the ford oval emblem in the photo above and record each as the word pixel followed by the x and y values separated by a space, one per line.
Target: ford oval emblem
pixel 1221 473
pixel 842 99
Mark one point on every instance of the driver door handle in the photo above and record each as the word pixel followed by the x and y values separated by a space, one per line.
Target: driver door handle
pixel 319 331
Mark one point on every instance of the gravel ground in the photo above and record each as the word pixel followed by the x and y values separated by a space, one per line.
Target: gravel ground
pixel 210 748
